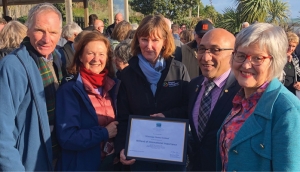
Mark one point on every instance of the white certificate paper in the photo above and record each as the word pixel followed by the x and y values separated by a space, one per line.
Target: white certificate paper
pixel 157 139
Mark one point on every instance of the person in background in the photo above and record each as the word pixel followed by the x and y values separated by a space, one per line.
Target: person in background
pixel 142 90
pixel 292 68
pixel 2 23
pixel 86 110
pixel 92 19
pixel 130 35
pixel 260 132
pixel 110 28
pixel 99 26
pixel 29 79
pixel 182 27
pixel 175 31
pixel 11 37
pixel 69 32
pixel 189 50
pixel 186 36
pixel 297 50
pixel 120 33
pixel 245 25
pixel 122 55
pixel 177 53
pixel 210 97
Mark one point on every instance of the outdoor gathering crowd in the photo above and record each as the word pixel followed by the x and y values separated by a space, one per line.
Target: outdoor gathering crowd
pixel 66 93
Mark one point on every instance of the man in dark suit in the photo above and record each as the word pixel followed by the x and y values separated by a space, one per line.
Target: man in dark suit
pixel 210 97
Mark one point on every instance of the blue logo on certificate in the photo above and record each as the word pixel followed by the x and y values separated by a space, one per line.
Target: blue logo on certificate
pixel 158 124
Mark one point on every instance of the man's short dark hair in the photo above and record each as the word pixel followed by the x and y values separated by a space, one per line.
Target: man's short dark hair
pixel 92 19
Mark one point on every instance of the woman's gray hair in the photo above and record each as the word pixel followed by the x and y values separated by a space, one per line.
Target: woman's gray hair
pixel 69 30
pixel 269 37
pixel 41 8
pixel 122 51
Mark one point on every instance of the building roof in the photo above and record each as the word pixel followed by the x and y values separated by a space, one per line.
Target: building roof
pixel 26 2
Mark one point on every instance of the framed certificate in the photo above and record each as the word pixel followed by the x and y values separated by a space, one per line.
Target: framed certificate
pixel 157 139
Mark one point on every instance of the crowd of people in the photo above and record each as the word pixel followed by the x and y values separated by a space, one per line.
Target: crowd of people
pixel 67 93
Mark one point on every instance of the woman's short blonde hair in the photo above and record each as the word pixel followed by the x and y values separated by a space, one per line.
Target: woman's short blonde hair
pixel 150 25
pixel 292 37
pixel 12 34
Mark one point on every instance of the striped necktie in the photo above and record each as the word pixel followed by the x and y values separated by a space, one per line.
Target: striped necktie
pixel 204 110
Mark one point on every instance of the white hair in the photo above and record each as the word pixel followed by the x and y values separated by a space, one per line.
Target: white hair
pixel 70 29
pixel 41 8
pixel 272 38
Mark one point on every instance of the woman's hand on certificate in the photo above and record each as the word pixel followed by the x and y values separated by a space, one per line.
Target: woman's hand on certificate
pixel 160 115
pixel 123 159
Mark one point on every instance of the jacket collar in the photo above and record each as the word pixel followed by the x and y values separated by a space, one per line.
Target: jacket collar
pixel 264 108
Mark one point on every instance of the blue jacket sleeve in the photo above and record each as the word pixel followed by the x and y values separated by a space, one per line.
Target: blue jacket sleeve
pixel 74 129
pixel 285 141
pixel 13 84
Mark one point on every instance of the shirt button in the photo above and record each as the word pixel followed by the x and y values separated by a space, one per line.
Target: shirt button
pixel 262 146
pixel 235 151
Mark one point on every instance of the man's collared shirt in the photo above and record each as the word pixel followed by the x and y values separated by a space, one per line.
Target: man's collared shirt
pixel 215 93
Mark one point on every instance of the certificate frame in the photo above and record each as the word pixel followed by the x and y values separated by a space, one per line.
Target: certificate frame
pixel 178 156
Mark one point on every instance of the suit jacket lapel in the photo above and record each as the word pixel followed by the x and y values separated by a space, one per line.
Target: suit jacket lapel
pixel 194 94
pixel 224 98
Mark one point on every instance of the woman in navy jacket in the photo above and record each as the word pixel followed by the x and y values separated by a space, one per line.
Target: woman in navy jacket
pixel 85 108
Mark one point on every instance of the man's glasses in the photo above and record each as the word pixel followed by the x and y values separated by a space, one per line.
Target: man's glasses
pixel 255 60
pixel 214 51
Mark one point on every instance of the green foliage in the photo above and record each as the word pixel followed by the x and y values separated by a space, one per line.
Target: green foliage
pixel 277 12
pixel 78 12
pixel 195 9
pixel 61 8
pixel 211 13
pixel 253 10
pixel 135 19
pixel 231 20
pixel 271 11
pixel 172 9
pixel 22 19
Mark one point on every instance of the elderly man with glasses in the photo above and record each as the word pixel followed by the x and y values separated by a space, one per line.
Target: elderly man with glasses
pixel 210 96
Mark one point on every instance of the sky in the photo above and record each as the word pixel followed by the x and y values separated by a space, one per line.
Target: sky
pixel 220 5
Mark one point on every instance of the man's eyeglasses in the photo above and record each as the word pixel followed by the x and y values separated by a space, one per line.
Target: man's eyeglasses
pixel 255 60
pixel 214 51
